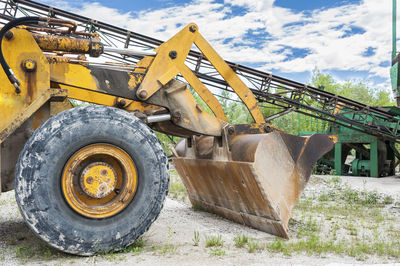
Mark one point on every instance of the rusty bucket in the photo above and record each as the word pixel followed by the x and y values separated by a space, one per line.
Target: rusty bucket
pixel 252 179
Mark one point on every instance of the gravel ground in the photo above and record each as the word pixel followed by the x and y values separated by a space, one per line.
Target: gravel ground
pixel 170 239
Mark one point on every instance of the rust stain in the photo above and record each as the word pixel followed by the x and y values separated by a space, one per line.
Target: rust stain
pixel 31 86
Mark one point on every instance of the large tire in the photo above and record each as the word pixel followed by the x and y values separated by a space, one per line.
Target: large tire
pixel 39 186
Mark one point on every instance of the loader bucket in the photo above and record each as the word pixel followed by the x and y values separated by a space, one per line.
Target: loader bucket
pixel 256 181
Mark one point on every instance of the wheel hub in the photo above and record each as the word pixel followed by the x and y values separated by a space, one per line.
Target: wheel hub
pixel 98 180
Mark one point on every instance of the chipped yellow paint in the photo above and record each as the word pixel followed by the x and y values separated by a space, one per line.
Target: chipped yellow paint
pixel 98 180
pixel 20 48
pixel 334 138
pixel 75 74
pixel 103 98
pixel 164 68
pixel 61 43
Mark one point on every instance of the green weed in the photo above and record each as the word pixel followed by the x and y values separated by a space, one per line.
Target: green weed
pixel 176 187
pixel 241 240
pixel 217 251
pixel 196 238
pixel 135 247
pixel 168 247
pixel 253 245
pixel 214 241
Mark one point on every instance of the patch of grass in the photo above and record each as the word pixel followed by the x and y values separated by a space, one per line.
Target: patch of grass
pixel 358 224
pixel 308 226
pixel 41 251
pixel 335 181
pixel 217 251
pixel 214 241
pixel 346 194
pixel 253 246
pixel 388 200
pixel 23 252
pixel 168 247
pixel 196 238
pixel 135 247
pixel 176 187
pixel 241 240
pixel 351 228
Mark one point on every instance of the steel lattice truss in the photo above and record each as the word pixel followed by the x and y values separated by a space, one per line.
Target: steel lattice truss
pixel 269 89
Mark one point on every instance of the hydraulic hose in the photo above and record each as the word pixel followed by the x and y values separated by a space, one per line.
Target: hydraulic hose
pixel 16 22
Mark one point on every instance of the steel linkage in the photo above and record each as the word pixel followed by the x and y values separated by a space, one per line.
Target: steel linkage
pixel 269 89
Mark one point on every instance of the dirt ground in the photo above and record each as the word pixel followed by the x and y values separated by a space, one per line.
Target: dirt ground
pixel 171 239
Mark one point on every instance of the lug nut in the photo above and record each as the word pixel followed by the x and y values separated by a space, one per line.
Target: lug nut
pixel 89 180
pixel 104 172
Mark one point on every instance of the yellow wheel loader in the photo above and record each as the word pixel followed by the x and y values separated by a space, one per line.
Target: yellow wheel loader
pixel 94 178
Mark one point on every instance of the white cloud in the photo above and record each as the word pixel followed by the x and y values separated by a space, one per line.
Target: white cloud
pixel 320 32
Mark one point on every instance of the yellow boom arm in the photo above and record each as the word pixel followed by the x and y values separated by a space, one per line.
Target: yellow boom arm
pixel 170 62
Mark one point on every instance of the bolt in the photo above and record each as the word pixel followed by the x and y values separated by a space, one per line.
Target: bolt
pixel 173 54
pixel 231 130
pixel 192 28
pixel 29 65
pixel 9 35
pixel 121 103
pixel 142 94
pixel 177 114
pixel 104 172
pixel 267 128
pixel 89 180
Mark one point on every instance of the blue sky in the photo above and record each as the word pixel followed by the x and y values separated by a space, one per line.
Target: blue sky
pixel 350 39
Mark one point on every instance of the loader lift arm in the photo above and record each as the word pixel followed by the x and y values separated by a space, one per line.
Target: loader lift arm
pixel 263 85
pixel 106 163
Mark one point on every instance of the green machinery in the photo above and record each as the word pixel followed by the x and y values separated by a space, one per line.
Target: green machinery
pixel 370 154
pixel 355 152
pixel 394 70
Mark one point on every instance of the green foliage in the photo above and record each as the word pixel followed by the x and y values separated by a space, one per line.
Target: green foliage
pixel 166 142
pixel 241 240
pixel 217 251
pixel 355 90
pixel 168 247
pixel 214 241
pixel 196 238
pixel 253 246
pixel 136 246
pixel 358 91
pixel 237 113
pixel 176 187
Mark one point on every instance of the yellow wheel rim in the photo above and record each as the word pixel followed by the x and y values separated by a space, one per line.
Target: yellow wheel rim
pixel 99 180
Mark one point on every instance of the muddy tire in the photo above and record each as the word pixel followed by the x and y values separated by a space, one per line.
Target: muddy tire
pixel 40 185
